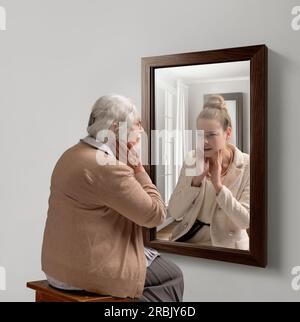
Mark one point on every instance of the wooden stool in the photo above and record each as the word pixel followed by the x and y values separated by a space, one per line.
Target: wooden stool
pixel 46 293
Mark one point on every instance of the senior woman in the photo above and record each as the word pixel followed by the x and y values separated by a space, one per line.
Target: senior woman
pixel 98 205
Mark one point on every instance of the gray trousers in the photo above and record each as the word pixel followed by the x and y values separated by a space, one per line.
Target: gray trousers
pixel 164 282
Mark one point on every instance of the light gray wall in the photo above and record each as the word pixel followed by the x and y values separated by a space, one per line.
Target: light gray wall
pixel 57 57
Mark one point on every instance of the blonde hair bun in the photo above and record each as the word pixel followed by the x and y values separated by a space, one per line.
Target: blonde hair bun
pixel 215 101
pixel 215 109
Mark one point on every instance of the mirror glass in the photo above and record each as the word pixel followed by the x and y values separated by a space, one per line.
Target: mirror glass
pixel 200 149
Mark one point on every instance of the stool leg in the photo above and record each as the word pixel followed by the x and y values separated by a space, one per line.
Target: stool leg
pixel 38 297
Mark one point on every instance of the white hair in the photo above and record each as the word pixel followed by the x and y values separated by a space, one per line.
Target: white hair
pixel 109 109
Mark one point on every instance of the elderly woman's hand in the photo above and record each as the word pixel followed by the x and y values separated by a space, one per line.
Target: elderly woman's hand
pixel 133 158
pixel 132 155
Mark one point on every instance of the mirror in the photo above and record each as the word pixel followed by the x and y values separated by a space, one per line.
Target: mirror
pixel 180 94
pixel 205 113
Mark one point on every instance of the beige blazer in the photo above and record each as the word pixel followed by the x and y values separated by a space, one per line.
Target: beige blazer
pixel 231 215
pixel 93 236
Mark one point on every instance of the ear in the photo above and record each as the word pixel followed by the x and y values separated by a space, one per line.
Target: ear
pixel 228 133
pixel 114 127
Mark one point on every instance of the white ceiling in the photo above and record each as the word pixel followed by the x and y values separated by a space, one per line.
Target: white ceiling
pixel 206 73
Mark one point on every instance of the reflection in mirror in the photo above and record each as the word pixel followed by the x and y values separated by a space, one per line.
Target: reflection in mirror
pixel 202 116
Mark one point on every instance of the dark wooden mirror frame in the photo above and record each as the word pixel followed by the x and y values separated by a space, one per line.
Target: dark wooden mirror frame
pixel 258 57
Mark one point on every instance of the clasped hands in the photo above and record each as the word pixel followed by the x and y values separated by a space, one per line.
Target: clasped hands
pixel 212 166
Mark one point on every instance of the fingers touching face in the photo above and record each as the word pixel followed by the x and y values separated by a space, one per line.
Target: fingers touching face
pixel 135 133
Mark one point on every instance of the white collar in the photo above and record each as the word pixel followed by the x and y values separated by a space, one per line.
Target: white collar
pixel 99 145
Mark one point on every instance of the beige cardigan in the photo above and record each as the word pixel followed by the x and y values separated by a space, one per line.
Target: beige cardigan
pixel 231 216
pixel 93 236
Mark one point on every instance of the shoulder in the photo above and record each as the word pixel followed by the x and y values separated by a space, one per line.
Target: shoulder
pixel 246 160
pixel 241 159
pixel 102 166
pixel 246 166
pixel 246 157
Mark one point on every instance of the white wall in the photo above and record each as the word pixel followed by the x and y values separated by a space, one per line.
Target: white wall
pixel 57 57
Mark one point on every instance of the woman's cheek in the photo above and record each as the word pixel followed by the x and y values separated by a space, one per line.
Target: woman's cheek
pixel 220 144
pixel 132 137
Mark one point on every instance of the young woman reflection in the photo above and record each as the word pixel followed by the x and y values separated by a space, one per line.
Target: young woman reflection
pixel 213 208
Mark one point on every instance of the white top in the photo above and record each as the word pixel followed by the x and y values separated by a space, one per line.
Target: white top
pixel 150 253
